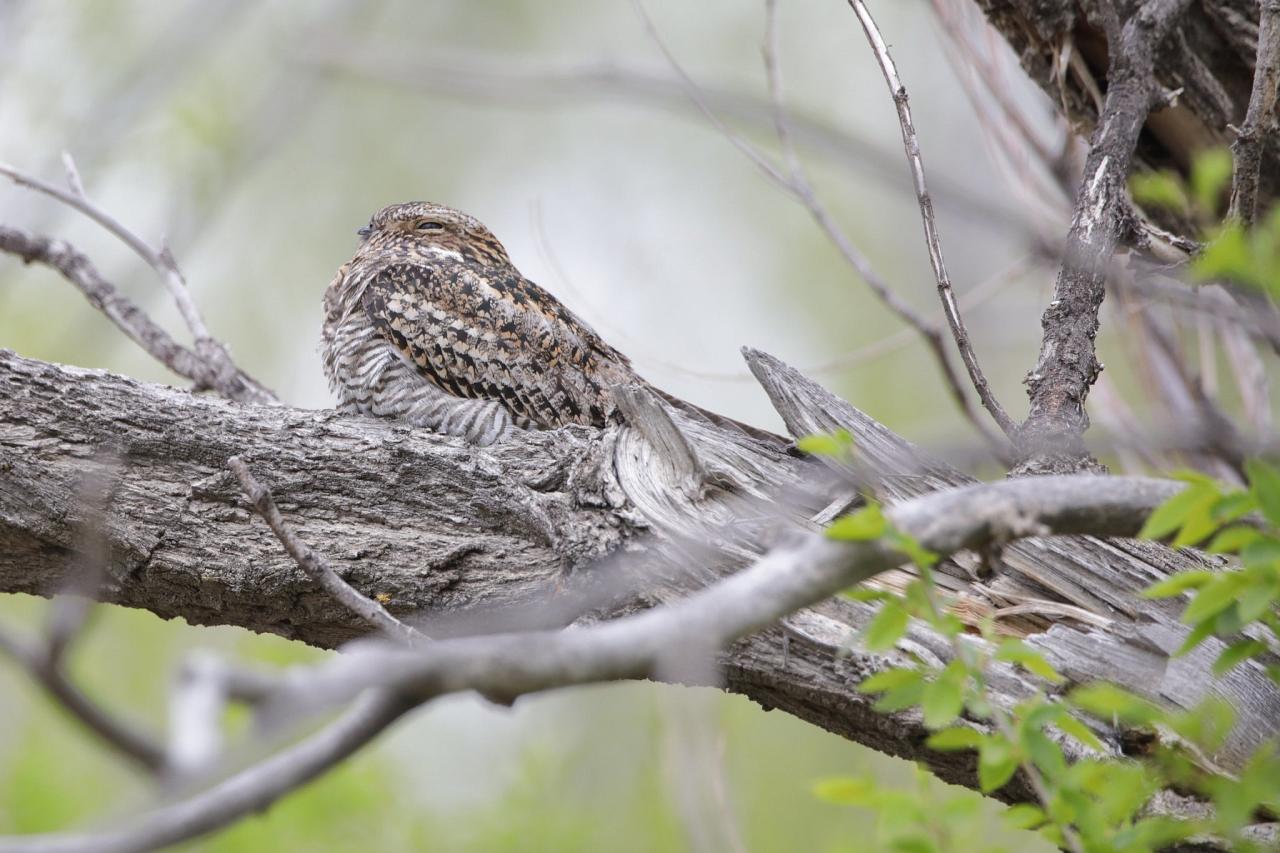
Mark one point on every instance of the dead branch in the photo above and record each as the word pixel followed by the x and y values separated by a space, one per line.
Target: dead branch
pixel 1051 437
pixel 1259 119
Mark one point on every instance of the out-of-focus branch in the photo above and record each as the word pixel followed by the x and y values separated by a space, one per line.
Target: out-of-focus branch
pixel 1259 119
pixel 45 668
pixel 912 145
pixel 228 379
pixel 317 567
pixel 1051 438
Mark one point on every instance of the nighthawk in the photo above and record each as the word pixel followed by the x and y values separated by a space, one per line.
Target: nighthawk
pixel 432 323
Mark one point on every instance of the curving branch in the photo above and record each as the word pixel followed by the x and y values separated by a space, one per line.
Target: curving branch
pixel 218 371
pixel 932 240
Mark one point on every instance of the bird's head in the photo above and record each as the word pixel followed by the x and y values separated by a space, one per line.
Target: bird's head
pixel 433 231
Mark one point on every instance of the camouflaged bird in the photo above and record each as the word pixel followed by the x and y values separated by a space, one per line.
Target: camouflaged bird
pixel 431 323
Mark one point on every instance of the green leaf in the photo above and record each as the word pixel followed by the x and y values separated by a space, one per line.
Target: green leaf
pixel 886 628
pixel 1108 701
pixel 838 444
pixel 867 594
pixel 847 791
pixel 891 679
pixel 1159 189
pixel 1264 482
pixel 1263 551
pixel 1235 505
pixel 1078 730
pixel 1236 654
pixel 1232 539
pixel 1024 816
pixel 1198 525
pixel 917 553
pixel 1015 651
pixel 1210 174
pixel 1214 597
pixel 1046 754
pixel 907 696
pixel 1198 635
pixel 1179 583
pixel 862 526
pixel 1228 256
pixel 996 764
pixel 1170 515
pixel 955 739
pixel 943 697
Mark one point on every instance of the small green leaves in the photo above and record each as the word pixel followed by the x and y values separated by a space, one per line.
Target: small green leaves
pixel 1193 504
pixel 1024 816
pixel 1108 701
pixel 846 791
pixel 1236 654
pixel 997 763
pixel 943 697
pixel 1210 176
pixel 835 445
pixel 1016 651
pixel 956 739
pixel 1264 482
pixel 1179 583
pixel 1159 189
pixel 864 525
pixel 886 627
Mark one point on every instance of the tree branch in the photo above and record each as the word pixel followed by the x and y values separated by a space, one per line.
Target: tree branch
pixel 1259 119
pixel 1051 437
pixel 934 242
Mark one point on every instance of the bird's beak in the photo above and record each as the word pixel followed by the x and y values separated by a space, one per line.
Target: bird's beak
pixel 364 232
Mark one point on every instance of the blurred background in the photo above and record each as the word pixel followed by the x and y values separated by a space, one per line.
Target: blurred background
pixel 257 137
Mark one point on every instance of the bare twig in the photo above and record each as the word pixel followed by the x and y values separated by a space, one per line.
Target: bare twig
pixel 317 567
pixel 228 379
pixel 76 268
pixel 46 670
pixel 1259 117
pixel 793 180
pixel 1051 439
pixel 912 145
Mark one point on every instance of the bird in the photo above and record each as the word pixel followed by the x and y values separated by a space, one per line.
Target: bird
pixel 431 323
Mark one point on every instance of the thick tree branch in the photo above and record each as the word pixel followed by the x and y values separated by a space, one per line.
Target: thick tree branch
pixel 469 537
pixel 1051 437
pixel 652 644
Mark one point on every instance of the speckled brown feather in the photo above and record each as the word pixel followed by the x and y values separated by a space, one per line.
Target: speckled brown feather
pixel 431 323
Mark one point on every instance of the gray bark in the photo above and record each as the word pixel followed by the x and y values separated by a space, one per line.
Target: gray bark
pixel 436 528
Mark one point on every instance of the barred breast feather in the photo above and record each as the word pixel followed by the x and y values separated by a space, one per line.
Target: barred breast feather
pixel 463 349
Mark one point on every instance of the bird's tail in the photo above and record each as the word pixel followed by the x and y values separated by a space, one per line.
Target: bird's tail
pixel 761 435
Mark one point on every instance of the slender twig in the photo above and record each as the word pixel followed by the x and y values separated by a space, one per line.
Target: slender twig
pixel 229 380
pixel 1051 438
pixel 794 182
pixel 76 268
pixel 317 567
pixel 46 670
pixel 1259 117
pixel 934 242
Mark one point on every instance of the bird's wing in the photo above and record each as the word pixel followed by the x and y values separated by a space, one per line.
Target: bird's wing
pixel 487 333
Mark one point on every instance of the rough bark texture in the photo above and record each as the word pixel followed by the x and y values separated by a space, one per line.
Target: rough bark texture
pixel 1209 56
pixel 438 527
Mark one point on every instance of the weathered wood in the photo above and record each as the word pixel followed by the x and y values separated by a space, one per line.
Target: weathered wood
pixel 441 528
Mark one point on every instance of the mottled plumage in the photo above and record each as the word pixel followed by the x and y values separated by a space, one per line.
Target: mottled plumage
pixel 431 323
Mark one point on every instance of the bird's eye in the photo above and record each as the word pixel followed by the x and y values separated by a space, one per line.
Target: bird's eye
pixel 428 225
